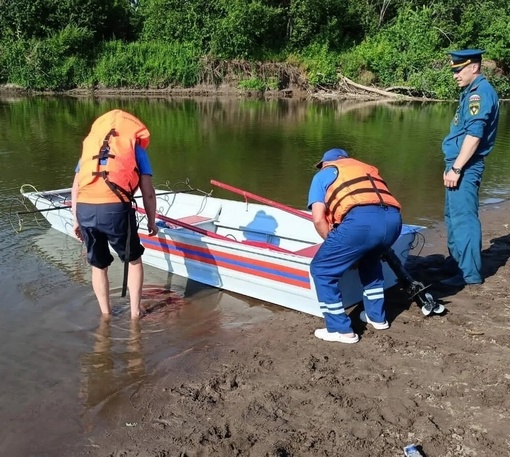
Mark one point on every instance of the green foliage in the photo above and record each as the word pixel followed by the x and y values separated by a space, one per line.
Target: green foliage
pixel 54 63
pixel 434 83
pixel 410 51
pixel 329 22
pixel 27 19
pixel 161 43
pixel 259 83
pixel 177 21
pixel 21 19
pixel 224 28
pixel 147 65
pixel 500 83
pixel 320 65
pixel 253 84
pixel 247 29
pixel 487 25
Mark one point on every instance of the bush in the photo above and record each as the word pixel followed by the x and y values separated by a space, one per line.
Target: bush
pixel 55 63
pixel 148 65
pixel 320 65
pixel 408 52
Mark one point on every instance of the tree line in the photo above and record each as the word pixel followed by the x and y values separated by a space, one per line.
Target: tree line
pixel 254 44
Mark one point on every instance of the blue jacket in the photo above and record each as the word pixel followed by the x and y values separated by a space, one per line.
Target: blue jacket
pixel 477 115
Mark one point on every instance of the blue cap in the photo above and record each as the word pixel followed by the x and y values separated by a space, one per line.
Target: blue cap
pixel 464 57
pixel 332 154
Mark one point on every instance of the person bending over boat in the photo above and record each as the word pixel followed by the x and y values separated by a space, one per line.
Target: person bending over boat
pixel 358 218
pixel 113 165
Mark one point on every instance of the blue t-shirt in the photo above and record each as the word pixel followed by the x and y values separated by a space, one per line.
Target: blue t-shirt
pixel 320 183
pixel 142 161
pixel 477 115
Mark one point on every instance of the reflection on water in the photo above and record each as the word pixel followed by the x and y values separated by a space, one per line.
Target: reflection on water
pixel 63 373
pixel 114 363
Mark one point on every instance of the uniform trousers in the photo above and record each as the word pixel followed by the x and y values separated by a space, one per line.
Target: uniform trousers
pixel 361 238
pixel 463 227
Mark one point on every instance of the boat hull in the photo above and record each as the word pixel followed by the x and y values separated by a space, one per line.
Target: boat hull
pixel 250 249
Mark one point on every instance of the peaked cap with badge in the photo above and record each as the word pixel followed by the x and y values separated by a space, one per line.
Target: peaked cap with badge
pixel 464 57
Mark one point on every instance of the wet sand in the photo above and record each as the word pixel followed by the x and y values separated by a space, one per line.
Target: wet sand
pixel 272 389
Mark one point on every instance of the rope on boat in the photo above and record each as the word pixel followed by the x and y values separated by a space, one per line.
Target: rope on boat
pixel 16 214
pixel 21 207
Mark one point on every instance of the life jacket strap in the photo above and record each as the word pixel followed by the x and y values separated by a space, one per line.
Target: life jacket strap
pixel 384 205
pixel 104 150
pixel 120 191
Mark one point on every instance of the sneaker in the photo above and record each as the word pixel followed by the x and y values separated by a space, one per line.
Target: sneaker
pixel 323 334
pixel 377 325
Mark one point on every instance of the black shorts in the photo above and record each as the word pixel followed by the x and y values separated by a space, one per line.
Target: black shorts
pixel 105 224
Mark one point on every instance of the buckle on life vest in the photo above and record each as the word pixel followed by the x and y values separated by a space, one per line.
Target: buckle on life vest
pixel 104 151
pixel 102 174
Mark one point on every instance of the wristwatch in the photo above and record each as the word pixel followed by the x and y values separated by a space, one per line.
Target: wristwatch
pixel 456 170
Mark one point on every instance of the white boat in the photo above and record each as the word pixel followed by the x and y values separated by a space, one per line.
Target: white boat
pixel 253 249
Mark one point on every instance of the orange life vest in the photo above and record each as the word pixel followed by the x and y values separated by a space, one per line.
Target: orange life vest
pixel 356 184
pixel 111 141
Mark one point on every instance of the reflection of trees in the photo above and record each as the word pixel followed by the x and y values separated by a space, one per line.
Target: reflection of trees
pixel 268 147
pixel 112 365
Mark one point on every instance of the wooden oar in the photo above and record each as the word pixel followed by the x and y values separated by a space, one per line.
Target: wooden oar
pixel 264 200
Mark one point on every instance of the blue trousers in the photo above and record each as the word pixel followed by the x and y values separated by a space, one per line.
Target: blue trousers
pixel 365 232
pixel 463 227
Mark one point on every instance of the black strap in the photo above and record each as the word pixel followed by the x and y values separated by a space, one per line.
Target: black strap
pixel 127 254
pixel 384 205
pixel 351 182
pixel 104 150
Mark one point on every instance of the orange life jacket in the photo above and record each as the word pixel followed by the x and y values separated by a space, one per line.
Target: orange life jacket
pixel 356 184
pixel 112 139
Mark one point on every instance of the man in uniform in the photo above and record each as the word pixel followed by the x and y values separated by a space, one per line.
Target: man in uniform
pixel 471 138
pixel 358 218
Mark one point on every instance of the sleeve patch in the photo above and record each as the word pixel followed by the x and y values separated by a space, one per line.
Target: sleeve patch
pixel 474 108
pixel 475 98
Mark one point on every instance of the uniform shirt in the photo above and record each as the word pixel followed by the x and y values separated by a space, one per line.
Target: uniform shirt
pixel 142 161
pixel 320 183
pixel 477 115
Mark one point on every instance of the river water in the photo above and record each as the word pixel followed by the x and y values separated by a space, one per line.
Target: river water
pixel 63 369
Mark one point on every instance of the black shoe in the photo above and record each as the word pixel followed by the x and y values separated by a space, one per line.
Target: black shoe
pixel 457 281
pixel 448 268
pixel 454 281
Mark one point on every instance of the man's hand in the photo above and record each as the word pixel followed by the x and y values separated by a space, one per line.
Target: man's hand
pixel 451 179
pixel 152 228
pixel 77 231
pixel 320 222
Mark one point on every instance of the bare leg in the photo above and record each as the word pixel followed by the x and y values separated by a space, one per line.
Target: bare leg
pixel 135 282
pixel 101 287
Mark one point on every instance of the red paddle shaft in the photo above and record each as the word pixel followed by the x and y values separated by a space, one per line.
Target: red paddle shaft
pixel 186 226
pixel 213 234
pixel 266 201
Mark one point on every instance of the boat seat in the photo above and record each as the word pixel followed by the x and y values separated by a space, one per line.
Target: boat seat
pixel 308 251
pixel 194 220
